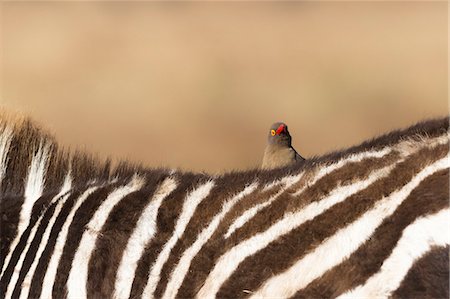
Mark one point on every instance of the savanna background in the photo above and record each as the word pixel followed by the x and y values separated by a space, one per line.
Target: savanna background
pixel 196 85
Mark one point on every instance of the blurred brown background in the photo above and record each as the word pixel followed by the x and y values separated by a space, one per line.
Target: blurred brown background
pixel 197 85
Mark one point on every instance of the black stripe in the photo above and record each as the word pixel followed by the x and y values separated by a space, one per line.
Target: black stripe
pixel 167 215
pixel 113 239
pixel 205 212
pixel 10 207
pixel 278 256
pixel 428 278
pixel 36 212
pixel 41 268
pixel 56 171
pixel 24 145
pixel 205 260
pixel 342 176
pixel 428 198
pixel 76 229
pixel 34 246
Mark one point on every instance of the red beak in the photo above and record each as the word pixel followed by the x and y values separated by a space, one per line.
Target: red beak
pixel 280 129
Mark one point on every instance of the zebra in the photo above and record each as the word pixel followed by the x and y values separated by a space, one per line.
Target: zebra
pixel 368 221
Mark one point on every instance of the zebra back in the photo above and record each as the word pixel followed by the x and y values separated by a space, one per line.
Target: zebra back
pixel 368 221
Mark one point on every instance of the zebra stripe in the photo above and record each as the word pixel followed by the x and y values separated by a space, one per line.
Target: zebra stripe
pixel 352 225
pixel 375 250
pixel 64 191
pixel 181 269
pixel 35 181
pixel 27 281
pixel 5 143
pixel 189 207
pixel 36 184
pixel 313 189
pixel 141 236
pixel 422 235
pixel 250 213
pixel 231 260
pixel 351 159
pixel 309 242
pixel 335 196
pixel 12 280
pixel 33 190
pixel 247 215
pixel 319 261
pixel 50 274
pixel 289 180
pixel 76 285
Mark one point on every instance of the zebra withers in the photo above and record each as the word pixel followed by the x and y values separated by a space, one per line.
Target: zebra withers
pixel 369 221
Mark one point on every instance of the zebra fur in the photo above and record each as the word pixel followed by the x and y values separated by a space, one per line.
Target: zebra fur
pixel 368 221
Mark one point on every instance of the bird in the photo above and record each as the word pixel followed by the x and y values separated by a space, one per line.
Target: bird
pixel 279 151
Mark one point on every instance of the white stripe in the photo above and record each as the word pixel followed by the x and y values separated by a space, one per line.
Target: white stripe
pixel 182 268
pixel 18 267
pixel 33 190
pixel 358 157
pixel 339 247
pixel 228 262
pixel 404 148
pixel 67 183
pixel 5 143
pixel 271 185
pixel 19 264
pixel 36 177
pixel 189 206
pixel 250 213
pixel 76 284
pixel 27 281
pixel 143 233
pixel 291 179
pixel 417 239
pixel 50 274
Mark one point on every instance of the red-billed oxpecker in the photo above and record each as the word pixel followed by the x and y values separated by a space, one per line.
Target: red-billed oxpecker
pixel 279 151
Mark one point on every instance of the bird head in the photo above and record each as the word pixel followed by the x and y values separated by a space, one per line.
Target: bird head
pixel 279 134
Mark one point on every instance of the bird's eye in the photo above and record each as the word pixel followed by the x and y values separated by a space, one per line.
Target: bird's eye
pixel 272 132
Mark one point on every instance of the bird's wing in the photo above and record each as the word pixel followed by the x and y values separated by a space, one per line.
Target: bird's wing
pixel 297 156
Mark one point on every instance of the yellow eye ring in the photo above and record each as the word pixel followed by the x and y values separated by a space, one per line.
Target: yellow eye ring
pixel 272 132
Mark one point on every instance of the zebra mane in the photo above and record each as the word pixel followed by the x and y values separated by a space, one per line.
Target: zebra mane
pixel 22 139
